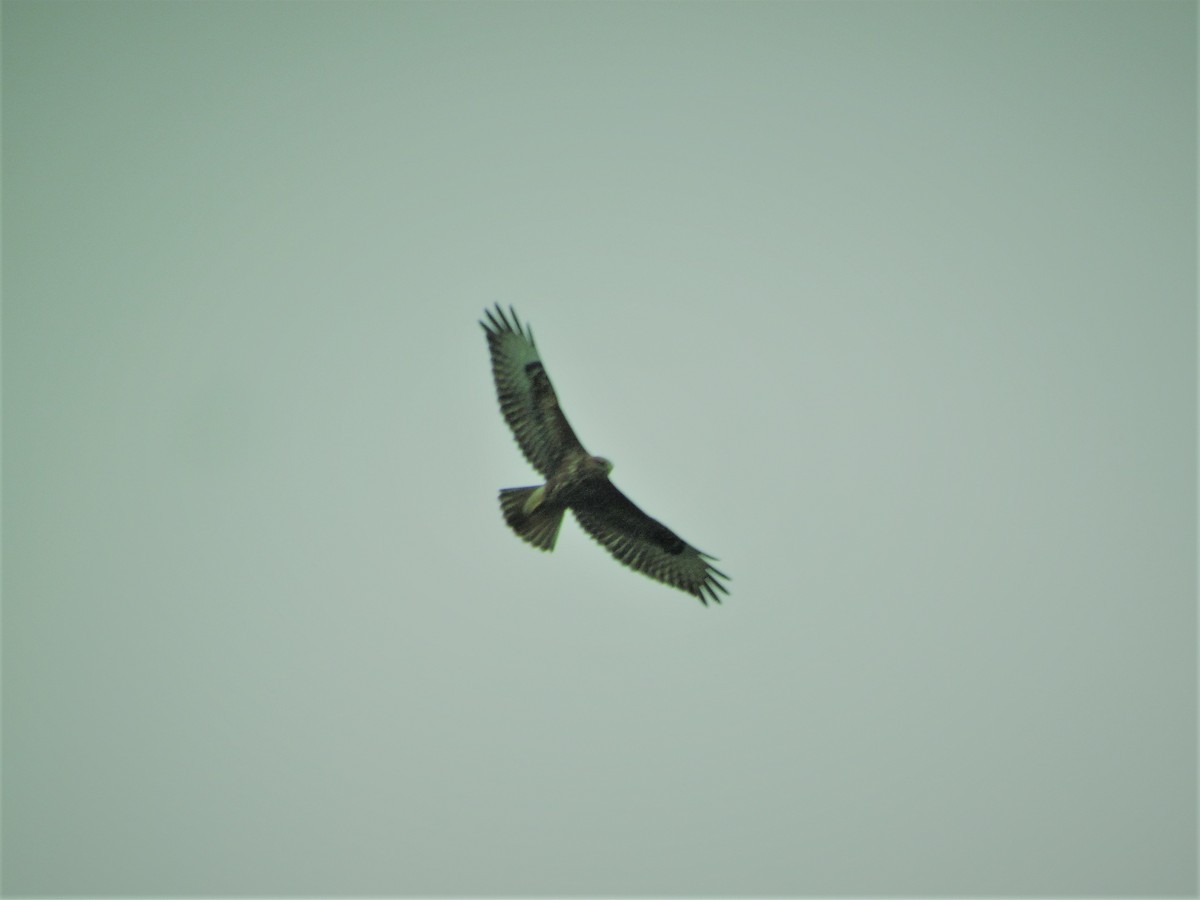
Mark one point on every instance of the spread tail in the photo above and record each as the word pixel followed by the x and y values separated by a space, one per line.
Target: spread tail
pixel 534 523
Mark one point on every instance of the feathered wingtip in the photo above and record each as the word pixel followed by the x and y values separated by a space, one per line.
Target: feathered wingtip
pixel 707 589
pixel 498 324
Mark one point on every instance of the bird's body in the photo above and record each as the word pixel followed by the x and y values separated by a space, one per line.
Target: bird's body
pixel 575 479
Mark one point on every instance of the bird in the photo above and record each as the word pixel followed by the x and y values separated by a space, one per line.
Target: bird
pixel 575 479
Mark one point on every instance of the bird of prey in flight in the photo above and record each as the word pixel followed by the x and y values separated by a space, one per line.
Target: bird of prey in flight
pixel 575 479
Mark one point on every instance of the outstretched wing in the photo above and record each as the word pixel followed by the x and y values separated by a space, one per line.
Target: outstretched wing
pixel 646 544
pixel 526 396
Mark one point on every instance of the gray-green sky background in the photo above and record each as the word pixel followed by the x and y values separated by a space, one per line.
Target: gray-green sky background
pixel 890 307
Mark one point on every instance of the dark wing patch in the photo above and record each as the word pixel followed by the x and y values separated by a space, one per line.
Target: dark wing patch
pixel 526 396
pixel 645 544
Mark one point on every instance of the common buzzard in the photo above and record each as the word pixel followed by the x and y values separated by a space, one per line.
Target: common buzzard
pixel 575 479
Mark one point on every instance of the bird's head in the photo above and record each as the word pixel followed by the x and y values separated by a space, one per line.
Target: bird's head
pixel 602 464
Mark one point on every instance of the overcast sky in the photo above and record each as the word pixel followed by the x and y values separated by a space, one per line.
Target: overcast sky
pixel 890 307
